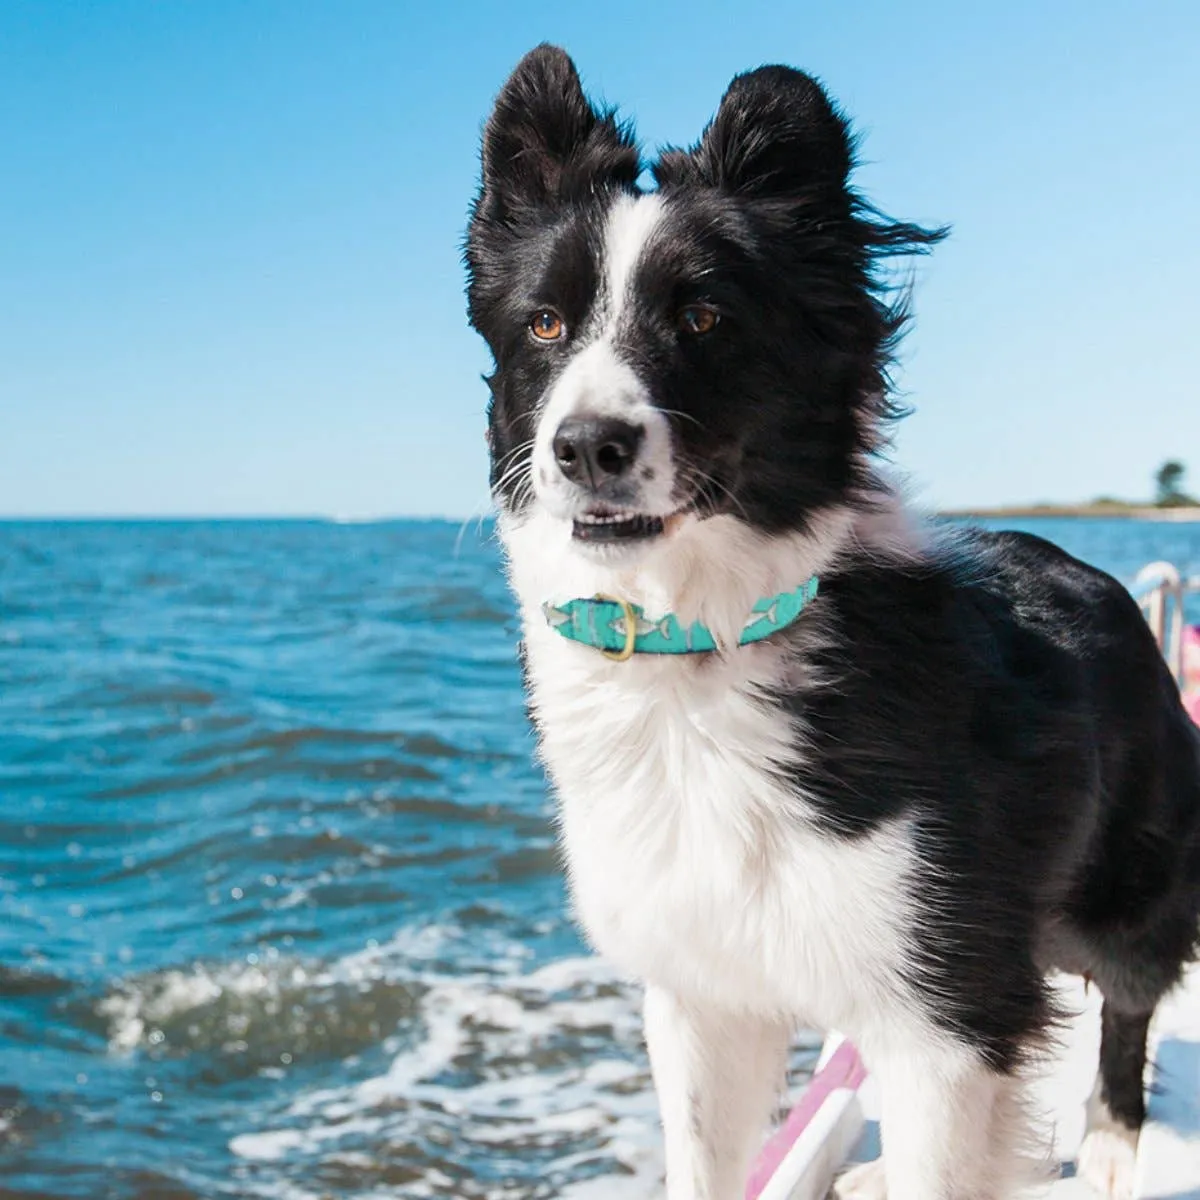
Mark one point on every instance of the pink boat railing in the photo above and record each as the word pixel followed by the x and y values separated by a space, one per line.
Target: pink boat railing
pixel 1161 592
pixel 802 1150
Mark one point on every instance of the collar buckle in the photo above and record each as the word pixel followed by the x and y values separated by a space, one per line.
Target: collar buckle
pixel 626 651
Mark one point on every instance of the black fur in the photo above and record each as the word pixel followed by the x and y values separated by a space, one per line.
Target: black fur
pixel 1007 698
pixel 1123 1064
pixel 1012 699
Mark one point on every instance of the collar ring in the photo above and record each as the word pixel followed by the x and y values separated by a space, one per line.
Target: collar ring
pixel 626 651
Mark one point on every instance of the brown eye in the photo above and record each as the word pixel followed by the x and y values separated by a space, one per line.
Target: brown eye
pixel 697 319
pixel 547 326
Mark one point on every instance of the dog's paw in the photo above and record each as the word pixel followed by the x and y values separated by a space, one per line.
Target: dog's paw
pixel 1107 1160
pixel 864 1182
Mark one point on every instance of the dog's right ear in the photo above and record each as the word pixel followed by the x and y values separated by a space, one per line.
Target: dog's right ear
pixel 545 144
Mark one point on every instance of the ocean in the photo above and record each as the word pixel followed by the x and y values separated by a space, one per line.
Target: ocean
pixel 281 912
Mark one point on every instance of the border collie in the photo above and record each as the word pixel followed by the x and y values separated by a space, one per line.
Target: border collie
pixel 812 765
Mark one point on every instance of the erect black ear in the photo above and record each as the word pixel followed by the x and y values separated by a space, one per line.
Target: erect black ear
pixel 546 144
pixel 776 133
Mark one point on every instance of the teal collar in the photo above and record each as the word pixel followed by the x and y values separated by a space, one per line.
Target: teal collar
pixel 620 630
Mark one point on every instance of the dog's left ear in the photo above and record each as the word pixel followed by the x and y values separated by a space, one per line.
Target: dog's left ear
pixel 545 144
pixel 775 134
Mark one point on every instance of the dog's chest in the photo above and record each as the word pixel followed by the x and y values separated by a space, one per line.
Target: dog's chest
pixel 693 862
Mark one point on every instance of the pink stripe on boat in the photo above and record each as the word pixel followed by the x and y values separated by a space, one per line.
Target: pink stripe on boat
pixel 843 1070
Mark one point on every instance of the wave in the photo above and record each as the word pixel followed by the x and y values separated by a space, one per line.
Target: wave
pixel 523 1083
pixel 238 1019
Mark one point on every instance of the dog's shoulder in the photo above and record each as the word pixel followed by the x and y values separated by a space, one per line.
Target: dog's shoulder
pixel 981 665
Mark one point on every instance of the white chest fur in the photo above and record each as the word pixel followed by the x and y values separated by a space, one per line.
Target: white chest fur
pixel 693 859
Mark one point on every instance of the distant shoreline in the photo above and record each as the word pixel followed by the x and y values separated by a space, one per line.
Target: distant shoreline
pixel 1128 512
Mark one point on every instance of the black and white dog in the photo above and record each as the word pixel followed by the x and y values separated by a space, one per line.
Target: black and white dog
pixel 953 764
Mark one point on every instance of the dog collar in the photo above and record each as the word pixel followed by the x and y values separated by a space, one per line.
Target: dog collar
pixel 619 630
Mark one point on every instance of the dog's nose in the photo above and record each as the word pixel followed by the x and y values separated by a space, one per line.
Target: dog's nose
pixel 592 450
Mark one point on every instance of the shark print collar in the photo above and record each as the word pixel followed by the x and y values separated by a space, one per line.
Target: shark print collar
pixel 619 630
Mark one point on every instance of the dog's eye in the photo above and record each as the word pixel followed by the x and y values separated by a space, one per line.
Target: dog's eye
pixel 547 326
pixel 697 319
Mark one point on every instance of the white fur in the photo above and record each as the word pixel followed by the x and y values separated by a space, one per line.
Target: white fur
pixel 632 221
pixel 951 1128
pixel 718 1076
pixel 1107 1162
pixel 1107 1159
pixel 866 1181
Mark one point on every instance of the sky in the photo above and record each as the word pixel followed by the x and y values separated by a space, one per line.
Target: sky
pixel 230 231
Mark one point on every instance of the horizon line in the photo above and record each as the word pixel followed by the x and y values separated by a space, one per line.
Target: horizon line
pixel 181 518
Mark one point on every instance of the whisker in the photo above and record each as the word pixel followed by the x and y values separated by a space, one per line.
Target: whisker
pixel 478 512
pixel 675 412
pixel 700 480
pixel 517 467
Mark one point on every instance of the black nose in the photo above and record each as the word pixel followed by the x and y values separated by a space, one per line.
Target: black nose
pixel 593 449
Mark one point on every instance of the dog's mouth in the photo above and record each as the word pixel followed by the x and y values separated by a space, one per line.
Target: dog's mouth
pixel 603 525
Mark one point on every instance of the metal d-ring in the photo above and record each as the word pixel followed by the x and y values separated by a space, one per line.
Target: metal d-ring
pixel 626 651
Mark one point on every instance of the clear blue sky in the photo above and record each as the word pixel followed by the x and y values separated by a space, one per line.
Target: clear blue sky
pixel 229 235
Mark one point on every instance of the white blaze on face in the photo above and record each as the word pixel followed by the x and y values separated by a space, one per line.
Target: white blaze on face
pixel 597 382
pixel 631 224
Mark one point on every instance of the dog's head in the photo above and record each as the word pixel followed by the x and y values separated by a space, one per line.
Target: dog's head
pixel 718 345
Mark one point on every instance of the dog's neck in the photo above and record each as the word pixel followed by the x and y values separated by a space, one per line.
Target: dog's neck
pixel 712 571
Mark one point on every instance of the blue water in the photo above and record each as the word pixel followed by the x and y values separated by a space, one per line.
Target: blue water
pixel 280 911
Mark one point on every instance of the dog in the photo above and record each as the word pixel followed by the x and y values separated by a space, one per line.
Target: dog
pixel 815 761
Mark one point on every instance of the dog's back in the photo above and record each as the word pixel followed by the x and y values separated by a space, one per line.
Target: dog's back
pixel 1128 914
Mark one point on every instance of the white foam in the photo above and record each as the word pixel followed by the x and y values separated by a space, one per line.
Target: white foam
pixel 503 1019
pixel 266 1147
pixel 502 1057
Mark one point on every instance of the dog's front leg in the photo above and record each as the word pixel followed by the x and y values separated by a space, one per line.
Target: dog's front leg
pixel 717 1076
pixel 950 1126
